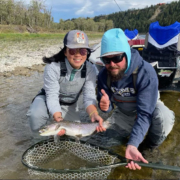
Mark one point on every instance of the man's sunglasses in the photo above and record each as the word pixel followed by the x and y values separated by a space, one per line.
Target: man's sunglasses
pixel 82 51
pixel 115 59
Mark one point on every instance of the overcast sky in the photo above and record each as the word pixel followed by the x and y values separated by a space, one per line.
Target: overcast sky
pixel 68 9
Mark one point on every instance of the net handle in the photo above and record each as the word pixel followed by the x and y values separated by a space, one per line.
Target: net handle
pixel 149 165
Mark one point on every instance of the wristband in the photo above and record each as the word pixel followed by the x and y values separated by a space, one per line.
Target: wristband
pixel 93 113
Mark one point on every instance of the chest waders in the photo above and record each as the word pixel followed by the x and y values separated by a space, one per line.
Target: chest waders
pixel 70 90
pixel 126 104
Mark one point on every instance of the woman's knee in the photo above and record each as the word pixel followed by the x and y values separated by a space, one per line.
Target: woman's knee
pixel 37 114
pixel 37 120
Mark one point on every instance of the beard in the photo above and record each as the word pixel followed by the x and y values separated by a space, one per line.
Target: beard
pixel 116 77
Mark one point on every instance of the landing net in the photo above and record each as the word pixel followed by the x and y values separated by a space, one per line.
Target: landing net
pixel 67 159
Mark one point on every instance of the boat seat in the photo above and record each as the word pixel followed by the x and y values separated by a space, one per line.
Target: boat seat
pixel 178 45
pixel 146 40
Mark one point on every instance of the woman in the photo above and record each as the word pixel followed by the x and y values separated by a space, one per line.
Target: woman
pixel 66 75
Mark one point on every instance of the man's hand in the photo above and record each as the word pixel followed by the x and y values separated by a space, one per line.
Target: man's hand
pixel 132 153
pixel 57 116
pixel 104 102
pixel 96 117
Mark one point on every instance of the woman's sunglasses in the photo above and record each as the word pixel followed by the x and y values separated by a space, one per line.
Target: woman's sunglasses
pixel 82 51
pixel 115 59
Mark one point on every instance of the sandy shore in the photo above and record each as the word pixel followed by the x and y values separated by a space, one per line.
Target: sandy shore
pixel 21 58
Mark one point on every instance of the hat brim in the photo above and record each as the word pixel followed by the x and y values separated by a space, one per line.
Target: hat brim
pixel 78 46
pixel 110 53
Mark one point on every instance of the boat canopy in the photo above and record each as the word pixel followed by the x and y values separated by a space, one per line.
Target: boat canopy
pixel 131 34
pixel 162 45
pixel 163 34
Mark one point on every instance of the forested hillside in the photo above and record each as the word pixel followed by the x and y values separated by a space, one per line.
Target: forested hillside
pixel 36 16
pixel 140 19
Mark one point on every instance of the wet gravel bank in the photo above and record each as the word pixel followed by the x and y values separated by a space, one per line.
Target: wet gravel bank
pixel 21 59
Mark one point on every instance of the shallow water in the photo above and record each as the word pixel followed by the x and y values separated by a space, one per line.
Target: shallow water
pixel 75 163
pixel 16 94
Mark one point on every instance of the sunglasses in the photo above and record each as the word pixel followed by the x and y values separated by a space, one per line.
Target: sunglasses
pixel 82 51
pixel 115 59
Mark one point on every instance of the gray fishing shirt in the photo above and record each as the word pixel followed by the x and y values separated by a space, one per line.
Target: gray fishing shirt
pixel 52 86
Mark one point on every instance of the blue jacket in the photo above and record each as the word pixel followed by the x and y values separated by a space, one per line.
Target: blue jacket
pixel 146 96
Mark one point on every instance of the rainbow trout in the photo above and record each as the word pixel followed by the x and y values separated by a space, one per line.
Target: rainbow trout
pixel 75 129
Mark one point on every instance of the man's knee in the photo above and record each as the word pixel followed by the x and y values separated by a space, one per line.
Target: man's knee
pixel 163 118
pixel 162 124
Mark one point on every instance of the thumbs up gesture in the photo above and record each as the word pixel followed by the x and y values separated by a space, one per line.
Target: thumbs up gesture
pixel 104 102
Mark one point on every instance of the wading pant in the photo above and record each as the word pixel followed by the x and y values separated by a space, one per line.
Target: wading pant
pixel 161 125
pixel 39 116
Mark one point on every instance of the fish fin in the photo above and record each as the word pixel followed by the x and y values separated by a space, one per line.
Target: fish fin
pixel 56 138
pixel 77 140
pixel 94 132
pixel 77 121
pixel 57 127
pixel 78 137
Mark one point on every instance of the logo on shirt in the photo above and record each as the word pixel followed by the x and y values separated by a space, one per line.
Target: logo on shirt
pixel 124 92
pixel 80 38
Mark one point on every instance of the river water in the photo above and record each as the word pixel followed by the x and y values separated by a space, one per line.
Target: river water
pixel 16 94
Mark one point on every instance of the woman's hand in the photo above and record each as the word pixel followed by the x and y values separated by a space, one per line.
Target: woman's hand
pixel 57 116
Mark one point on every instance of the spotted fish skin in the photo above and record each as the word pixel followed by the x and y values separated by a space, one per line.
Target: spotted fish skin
pixel 72 128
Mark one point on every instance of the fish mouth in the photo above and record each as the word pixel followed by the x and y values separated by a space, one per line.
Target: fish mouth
pixel 49 129
pixel 42 133
pixel 43 130
pixel 46 133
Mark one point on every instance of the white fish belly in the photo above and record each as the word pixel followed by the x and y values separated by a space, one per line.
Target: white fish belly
pixel 80 129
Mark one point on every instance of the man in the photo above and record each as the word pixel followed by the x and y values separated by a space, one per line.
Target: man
pixel 131 84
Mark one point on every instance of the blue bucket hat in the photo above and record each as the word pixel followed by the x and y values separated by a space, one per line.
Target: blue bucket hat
pixel 114 41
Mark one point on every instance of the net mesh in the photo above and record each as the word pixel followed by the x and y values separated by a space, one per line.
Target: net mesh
pixel 47 160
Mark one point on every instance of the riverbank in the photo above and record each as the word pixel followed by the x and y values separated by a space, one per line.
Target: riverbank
pixel 20 58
